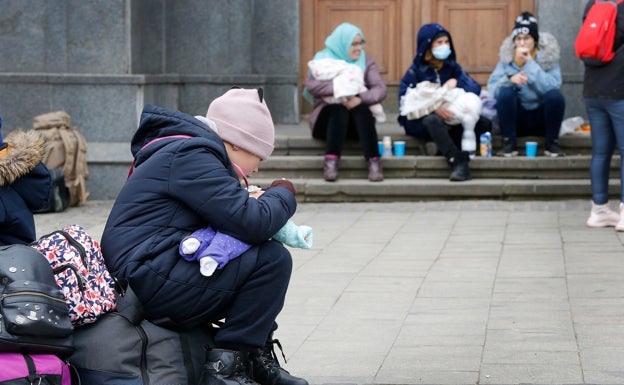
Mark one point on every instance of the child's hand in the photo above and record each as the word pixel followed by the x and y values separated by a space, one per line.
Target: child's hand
pixel 284 183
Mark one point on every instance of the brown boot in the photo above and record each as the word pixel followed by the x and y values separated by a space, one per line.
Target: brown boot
pixel 375 171
pixel 330 167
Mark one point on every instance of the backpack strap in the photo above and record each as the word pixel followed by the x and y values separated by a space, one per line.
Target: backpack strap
pixel 131 170
pixel 71 149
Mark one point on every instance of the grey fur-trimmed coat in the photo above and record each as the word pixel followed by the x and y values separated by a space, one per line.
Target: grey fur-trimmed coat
pixel 544 72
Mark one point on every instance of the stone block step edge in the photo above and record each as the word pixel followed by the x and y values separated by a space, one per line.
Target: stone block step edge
pixel 361 190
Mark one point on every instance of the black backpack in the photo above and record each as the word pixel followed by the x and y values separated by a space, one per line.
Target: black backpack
pixel 34 316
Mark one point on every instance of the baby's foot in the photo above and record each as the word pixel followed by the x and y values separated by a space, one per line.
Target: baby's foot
pixel 190 245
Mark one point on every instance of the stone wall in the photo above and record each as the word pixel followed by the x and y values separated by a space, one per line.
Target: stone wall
pixel 102 60
pixel 562 18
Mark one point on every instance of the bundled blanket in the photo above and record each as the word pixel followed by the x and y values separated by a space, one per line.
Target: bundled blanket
pixel 427 96
pixel 347 79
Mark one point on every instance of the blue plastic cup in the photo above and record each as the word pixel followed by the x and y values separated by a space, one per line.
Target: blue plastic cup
pixel 381 147
pixel 399 148
pixel 531 149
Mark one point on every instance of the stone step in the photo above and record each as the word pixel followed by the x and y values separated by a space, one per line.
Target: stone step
pixel 297 140
pixel 432 189
pixel 299 156
pixel 410 166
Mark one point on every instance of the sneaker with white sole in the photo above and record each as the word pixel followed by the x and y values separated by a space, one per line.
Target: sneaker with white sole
pixel 620 224
pixel 603 216
pixel 553 150
pixel 509 150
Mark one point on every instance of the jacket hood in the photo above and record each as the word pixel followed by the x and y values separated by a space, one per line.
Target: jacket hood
pixel 547 56
pixel 25 151
pixel 157 122
pixel 424 39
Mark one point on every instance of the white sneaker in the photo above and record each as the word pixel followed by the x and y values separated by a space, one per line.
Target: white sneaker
pixel 620 224
pixel 603 216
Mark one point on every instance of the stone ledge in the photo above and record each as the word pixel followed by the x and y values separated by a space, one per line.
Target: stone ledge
pixel 318 190
pixel 144 79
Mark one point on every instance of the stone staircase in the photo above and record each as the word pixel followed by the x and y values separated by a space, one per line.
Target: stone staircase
pixel 420 175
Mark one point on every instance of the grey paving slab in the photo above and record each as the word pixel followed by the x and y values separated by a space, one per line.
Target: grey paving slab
pixel 450 292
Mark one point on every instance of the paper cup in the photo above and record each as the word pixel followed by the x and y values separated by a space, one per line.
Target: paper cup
pixel 531 149
pixel 399 148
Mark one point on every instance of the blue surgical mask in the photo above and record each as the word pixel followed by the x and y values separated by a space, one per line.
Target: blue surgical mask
pixel 441 52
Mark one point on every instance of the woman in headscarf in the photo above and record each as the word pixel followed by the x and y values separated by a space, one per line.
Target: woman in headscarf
pixel 340 116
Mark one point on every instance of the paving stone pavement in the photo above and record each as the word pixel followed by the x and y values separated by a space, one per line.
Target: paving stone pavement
pixel 453 292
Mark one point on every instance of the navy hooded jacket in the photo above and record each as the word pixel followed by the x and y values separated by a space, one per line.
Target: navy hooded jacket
pixel 25 185
pixel 180 185
pixel 420 70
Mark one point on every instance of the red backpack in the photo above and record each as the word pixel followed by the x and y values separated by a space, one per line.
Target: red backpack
pixel 594 42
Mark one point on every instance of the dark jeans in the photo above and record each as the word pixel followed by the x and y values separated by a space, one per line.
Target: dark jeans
pixel 335 124
pixel 606 118
pixel 516 121
pixel 447 138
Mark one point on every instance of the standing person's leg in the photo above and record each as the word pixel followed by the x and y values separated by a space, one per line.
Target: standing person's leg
pixel 507 106
pixel 603 143
pixel 553 104
pixel 332 125
pixel 364 125
pixel 457 159
pixel 615 109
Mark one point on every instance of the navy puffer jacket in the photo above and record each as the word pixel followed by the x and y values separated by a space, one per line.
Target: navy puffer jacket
pixel 420 70
pixel 180 185
pixel 25 185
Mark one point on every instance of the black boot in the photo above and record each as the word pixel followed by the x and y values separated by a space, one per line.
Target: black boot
pixel 459 164
pixel 266 368
pixel 226 367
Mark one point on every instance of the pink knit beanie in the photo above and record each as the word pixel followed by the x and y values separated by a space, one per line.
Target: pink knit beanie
pixel 243 119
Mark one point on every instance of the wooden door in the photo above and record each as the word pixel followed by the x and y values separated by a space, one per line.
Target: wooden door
pixel 390 28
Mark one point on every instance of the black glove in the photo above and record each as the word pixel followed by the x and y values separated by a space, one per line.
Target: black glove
pixel 284 183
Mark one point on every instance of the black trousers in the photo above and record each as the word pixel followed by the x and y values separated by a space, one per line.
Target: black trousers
pixel 447 138
pixel 249 293
pixel 336 124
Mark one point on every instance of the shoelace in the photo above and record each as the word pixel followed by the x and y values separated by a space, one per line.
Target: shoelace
pixel 269 351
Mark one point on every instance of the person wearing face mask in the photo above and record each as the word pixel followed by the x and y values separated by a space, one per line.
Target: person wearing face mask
pixel 435 62
pixel 526 85
pixel 334 119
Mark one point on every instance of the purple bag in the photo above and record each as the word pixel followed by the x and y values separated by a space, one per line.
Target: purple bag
pixel 27 369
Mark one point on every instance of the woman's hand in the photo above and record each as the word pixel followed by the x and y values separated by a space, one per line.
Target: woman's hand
pixel 352 102
pixel 522 55
pixel 444 113
pixel 520 78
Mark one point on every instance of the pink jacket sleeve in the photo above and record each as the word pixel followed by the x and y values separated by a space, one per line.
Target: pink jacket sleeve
pixel 377 89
